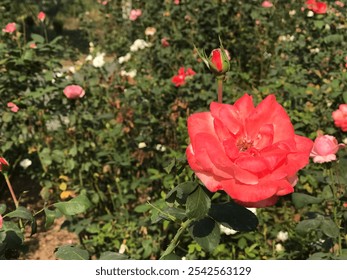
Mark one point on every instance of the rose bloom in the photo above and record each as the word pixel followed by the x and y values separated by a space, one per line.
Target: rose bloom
pixel 13 107
pixel 325 148
pixel 74 92
pixel 317 7
pixel 165 43
pixel 134 14
pixel 339 3
pixel 340 117
pixel 180 78
pixel 10 27
pixel 41 16
pixel 0 221
pixel 150 31
pixel 266 4
pixel 3 164
pixel 251 153
pixel 32 46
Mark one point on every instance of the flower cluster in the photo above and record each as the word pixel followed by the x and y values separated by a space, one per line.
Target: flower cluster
pixel 180 78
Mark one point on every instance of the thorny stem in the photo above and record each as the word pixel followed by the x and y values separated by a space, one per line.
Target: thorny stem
pixel 11 190
pixel 174 242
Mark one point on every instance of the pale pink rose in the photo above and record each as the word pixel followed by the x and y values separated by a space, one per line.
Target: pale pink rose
pixel 340 117
pixel 325 148
pixel 134 14
pixel 339 3
pixel 0 221
pixel 41 16
pixel 266 4
pixel 177 2
pixel 74 92
pixel 13 107
pixel 104 3
pixel 10 27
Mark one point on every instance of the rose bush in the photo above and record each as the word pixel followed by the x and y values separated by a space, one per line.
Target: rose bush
pixel 252 153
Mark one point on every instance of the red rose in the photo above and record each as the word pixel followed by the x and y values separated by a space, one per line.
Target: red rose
pixel 252 153
pixel 317 7
pixel 4 165
pixel 180 78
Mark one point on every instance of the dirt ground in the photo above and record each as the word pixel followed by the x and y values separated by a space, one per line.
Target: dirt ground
pixel 41 245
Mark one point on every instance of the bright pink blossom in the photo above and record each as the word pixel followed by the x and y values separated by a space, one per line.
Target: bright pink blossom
pixel 180 78
pixel 4 165
pixel 177 2
pixel 134 14
pixel 74 92
pixel 41 16
pixel 266 4
pixel 13 107
pixel 340 117
pixel 251 153
pixel 325 148
pixel 0 221
pixel 317 7
pixel 10 27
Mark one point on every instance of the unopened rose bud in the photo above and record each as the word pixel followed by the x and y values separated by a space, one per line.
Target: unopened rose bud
pixel 4 165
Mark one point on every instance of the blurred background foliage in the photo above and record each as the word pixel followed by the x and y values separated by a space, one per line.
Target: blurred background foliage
pixel 113 144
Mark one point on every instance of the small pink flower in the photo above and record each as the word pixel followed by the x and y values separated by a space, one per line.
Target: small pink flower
pixel 340 117
pixel 104 3
pixel 41 16
pixel 32 46
pixel 10 27
pixel 134 14
pixel 177 2
pixel 325 148
pixel 4 165
pixel 266 4
pixel 165 43
pixel 13 107
pixel 339 3
pixel 0 221
pixel 317 7
pixel 74 92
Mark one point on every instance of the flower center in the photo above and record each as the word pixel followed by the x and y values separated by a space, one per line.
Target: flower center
pixel 243 144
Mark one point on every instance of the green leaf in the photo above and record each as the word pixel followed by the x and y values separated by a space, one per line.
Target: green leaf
pixel 170 166
pixel 38 38
pixel 301 200
pixel 50 217
pixel 198 203
pixel 142 208
pixel 68 252
pixel 77 205
pixel 235 216
pixel 2 208
pixel 206 233
pixel 344 95
pixel 329 228
pixel 304 227
pixel 181 191
pixel 171 256
pixel 327 193
pixel 22 213
pixel 112 256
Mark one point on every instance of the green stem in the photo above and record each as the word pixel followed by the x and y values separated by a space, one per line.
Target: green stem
pixel 220 90
pixel 11 190
pixel 336 200
pixel 174 242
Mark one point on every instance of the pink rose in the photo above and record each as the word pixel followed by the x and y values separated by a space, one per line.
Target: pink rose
pixel 324 148
pixel 317 7
pixel 251 153
pixel 134 14
pixel 13 107
pixel 4 165
pixel 32 46
pixel 10 28
pixel 266 4
pixel 41 16
pixel 339 3
pixel 177 2
pixel 340 117
pixel 74 92
pixel 0 221
pixel 165 43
